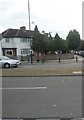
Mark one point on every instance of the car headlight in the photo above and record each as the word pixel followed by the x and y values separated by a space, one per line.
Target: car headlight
pixel 13 62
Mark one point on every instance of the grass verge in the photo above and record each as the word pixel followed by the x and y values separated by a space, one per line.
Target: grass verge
pixel 37 71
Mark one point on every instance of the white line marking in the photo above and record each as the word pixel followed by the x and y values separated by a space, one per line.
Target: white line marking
pixel 54 105
pixel 26 88
pixel 76 72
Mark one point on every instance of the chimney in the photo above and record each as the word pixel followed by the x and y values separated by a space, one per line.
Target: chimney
pixel 23 28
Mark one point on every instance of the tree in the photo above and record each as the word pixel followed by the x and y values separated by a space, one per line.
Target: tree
pixel 51 43
pixel 36 40
pixel 36 29
pixel 57 43
pixel 39 43
pixel 65 48
pixel 73 39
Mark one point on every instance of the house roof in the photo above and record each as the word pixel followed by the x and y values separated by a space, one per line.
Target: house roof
pixel 17 33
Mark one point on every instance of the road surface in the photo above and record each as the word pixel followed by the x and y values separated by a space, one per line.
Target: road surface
pixel 35 97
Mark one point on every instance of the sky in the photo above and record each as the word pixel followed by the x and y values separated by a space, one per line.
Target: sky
pixel 55 16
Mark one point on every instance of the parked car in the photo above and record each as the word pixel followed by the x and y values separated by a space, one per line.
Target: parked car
pixel 7 62
pixel 81 53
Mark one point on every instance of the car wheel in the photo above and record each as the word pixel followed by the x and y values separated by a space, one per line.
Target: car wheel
pixel 7 65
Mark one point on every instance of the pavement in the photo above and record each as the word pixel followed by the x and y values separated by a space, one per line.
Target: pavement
pixel 68 63
pixel 80 59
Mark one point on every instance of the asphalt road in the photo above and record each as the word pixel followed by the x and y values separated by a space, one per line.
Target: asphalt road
pixel 35 97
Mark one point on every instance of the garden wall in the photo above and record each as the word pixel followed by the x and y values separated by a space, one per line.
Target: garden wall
pixel 56 57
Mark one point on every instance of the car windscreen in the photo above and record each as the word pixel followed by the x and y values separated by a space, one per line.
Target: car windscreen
pixel 5 58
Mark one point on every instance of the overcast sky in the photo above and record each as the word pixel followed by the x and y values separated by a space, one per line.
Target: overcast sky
pixel 55 16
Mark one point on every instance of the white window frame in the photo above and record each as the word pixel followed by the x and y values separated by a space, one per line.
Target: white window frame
pixel 24 40
pixel 7 40
pixel 25 51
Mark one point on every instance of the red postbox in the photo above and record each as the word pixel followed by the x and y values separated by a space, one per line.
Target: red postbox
pixel 37 56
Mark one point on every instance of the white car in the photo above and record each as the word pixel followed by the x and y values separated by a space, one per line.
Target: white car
pixel 7 62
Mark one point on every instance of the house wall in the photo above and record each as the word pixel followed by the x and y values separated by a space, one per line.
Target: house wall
pixel 21 45
pixel 15 43
pixel 11 44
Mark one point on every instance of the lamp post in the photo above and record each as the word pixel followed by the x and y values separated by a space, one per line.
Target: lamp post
pixel 30 30
pixel 29 15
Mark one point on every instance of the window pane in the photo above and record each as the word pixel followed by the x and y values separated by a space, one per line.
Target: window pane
pixel 25 51
pixel 23 40
pixel 7 40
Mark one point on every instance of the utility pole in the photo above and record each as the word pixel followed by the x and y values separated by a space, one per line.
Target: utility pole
pixel 30 30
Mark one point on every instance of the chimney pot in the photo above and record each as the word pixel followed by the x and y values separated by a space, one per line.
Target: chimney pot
pixel 23 28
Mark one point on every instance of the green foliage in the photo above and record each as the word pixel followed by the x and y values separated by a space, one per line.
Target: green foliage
pixel 42 42
pixel 73 39
pixel 50 43
pixel 45 43
pixel 39 43
pixel 57 43
pixel 64 47
pixel 36 29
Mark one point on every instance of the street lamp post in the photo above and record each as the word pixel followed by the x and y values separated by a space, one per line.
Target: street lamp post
pixel 29 15
pixel 30 30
